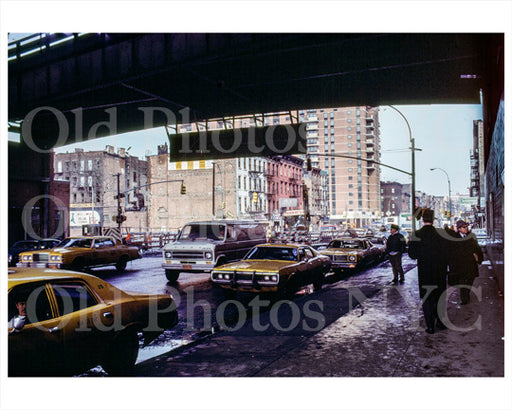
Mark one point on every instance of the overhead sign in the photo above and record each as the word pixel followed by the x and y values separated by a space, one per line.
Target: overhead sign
pixel 79 218
pixel 238 142
pixel 288 202
pixel 468 201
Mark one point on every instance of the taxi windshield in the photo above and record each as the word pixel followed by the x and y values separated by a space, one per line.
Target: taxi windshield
pixel 75 243
pixel 346 244
pixel 275 253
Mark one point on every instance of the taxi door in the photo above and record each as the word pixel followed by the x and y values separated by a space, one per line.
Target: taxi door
pixel 34 348
pixel 86 323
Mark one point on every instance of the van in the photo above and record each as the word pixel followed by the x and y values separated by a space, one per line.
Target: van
pixel 201 246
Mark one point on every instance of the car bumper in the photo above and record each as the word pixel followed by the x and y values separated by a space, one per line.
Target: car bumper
pixel 242 287
pixel 343 265
pixel 192 267
pixel 50 265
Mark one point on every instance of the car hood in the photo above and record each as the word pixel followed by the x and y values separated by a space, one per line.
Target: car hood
pixel 340 251
pixel 257 265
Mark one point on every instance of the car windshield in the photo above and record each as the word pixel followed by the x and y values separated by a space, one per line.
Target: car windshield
pixel 275 253
pixel 75 243
pixel 25 245
pixel 346 244
pixel 194 232
pixel 47 244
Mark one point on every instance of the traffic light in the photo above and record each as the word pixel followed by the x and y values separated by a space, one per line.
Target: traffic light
pixel 254 197
pixel 308 164
pixel 183 189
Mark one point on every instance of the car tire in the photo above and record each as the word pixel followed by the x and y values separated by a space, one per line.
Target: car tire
pixel 121 356
pixel 121 264
pixel 78 265
pixel 318 283
pixel 172 275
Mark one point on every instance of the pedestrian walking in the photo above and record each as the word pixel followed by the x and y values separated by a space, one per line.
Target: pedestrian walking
pixel 395 247
pixel 430 248
pixel 465 256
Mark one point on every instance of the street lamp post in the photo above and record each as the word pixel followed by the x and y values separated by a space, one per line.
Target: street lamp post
pixel 449 189
pixel 413 167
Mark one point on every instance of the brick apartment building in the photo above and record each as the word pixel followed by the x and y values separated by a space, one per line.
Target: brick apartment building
pixel 92 176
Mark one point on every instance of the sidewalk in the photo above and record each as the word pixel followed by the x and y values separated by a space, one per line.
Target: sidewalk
pixel 382 337
pixel 385 337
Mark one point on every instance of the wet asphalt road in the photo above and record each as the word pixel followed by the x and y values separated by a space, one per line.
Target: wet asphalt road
pixel 203 308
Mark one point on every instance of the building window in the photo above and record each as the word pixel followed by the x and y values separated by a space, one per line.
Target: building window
pixel 349 120
pixel 82 181
pixel 89 165
pixel 59 166
pixel 89 181
pixel 349 137
pixel 82 163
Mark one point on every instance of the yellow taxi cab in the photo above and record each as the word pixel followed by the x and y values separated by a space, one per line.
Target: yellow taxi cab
pixel 78 253
pixel 274 268
pixel 353 253
pixel 63 323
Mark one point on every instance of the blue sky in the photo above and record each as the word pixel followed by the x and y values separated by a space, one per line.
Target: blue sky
pixel 444 133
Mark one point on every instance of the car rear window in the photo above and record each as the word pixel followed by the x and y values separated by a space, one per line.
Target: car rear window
pixel 72 297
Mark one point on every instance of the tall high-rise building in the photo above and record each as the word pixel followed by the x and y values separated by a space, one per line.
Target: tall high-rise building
pixel 344 142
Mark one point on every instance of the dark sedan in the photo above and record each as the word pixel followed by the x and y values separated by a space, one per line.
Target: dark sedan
pixel 29 245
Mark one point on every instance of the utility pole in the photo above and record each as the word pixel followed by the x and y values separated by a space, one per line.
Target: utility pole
pixel 119 210
pixel 213 190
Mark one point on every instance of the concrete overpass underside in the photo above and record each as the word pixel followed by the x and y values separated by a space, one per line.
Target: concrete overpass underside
pixel 63 87
pixel 220 75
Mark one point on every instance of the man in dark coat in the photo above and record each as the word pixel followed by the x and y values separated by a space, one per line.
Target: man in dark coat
pixel 395 246
pixel 429 247
pixel 465 255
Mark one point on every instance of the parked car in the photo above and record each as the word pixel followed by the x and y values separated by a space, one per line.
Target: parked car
pixel 274 268
pixel 29 245
pixel 353 253
pixel 201 246
pixel 75 321
pixel 81 252
pixel 481 237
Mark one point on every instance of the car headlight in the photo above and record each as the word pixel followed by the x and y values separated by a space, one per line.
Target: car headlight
pixel 168 255
pixel 10 258
pixel 56 258
pixel 27 258
pixel 352 258
pixel 227 276
pixel 208 255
